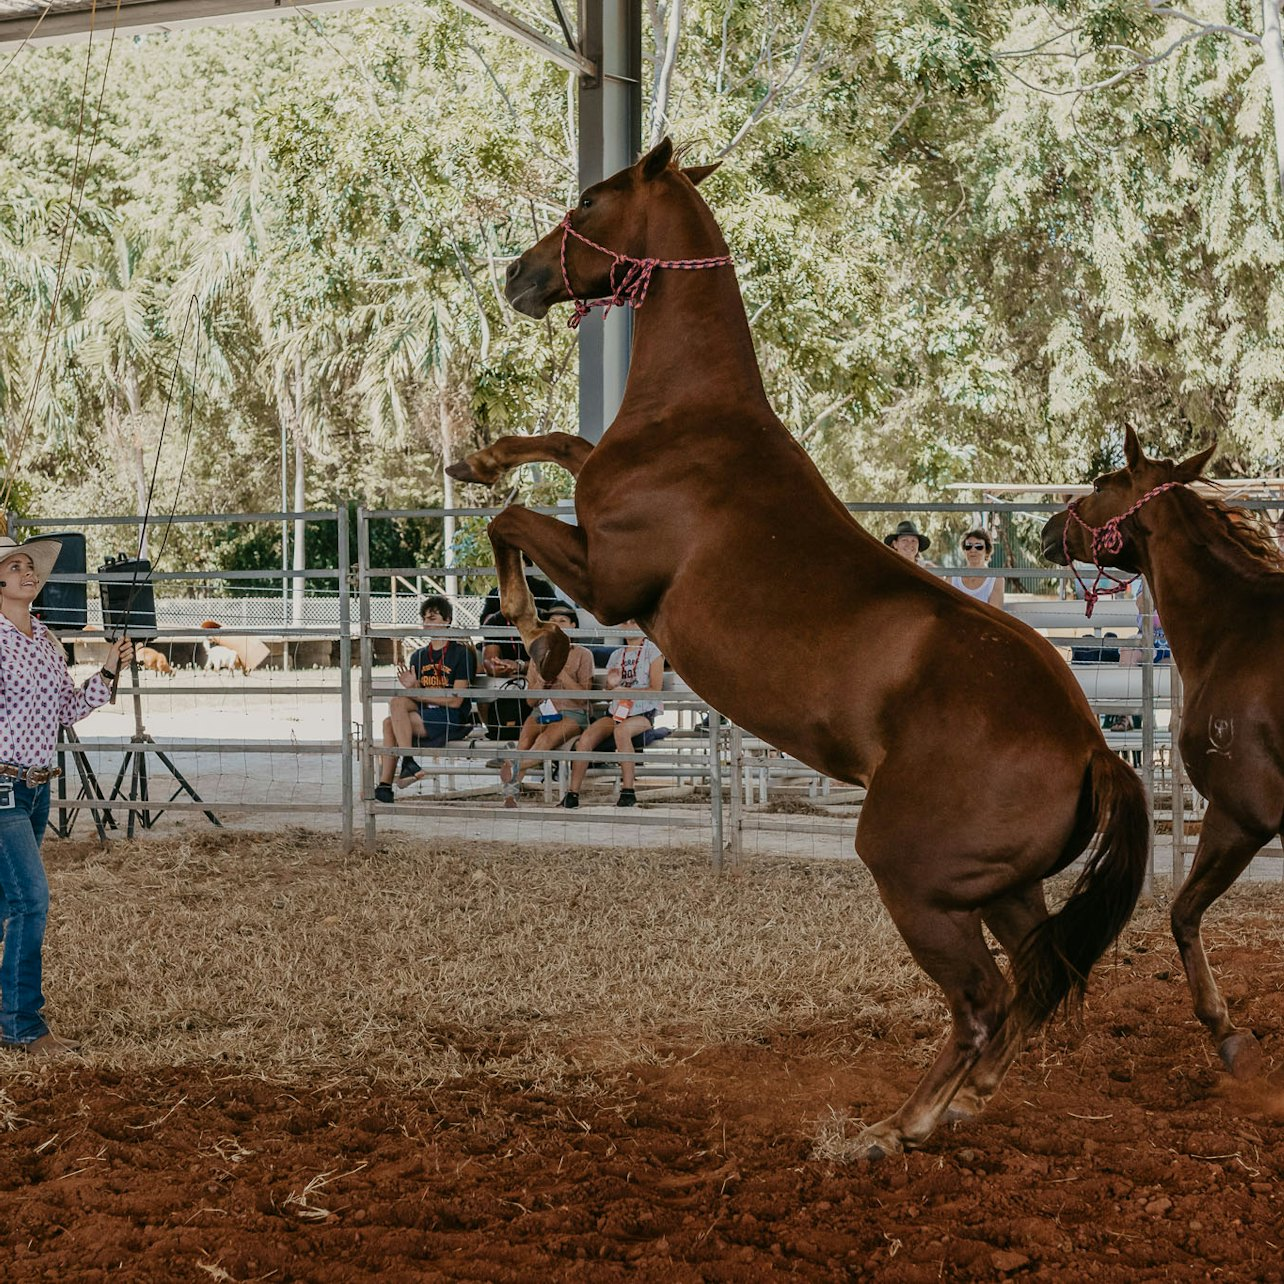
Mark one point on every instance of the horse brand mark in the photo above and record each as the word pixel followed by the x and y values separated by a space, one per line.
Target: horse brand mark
pixel 1221 731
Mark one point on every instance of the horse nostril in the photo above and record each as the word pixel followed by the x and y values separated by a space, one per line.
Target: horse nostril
pixel 513 269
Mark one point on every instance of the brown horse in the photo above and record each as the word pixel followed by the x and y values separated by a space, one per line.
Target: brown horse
pixel 1218 586
pixel 701 517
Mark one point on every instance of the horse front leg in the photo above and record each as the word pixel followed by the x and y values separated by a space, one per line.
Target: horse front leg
pixel 559 551
pixel 491 463
pixel 1223 853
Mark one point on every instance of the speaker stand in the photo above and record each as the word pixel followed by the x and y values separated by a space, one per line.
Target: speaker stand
pixel 88 789
pixel 135 763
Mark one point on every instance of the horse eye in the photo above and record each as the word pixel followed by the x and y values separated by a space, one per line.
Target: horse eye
pixel 585 202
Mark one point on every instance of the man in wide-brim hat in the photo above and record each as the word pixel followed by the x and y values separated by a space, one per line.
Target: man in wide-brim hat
pixel 39 697
pixel 907 540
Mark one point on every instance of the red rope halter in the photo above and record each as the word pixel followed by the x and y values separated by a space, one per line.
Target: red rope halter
pixel 1104 539
pixel 632 286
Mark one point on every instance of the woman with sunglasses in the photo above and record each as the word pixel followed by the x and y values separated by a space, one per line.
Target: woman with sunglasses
pixel 976 554
pixel 37 696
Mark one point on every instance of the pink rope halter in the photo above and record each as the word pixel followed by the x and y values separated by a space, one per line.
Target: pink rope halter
pixel 1105 539
pixel 632 286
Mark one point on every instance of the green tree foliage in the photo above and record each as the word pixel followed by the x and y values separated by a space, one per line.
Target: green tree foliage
pixel 974 240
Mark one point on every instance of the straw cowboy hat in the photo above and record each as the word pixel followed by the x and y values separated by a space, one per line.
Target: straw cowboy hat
pixel 907 528
pixel 42 551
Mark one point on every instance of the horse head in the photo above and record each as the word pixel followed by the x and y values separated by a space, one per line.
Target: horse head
pixel 607 236
pixel 1103 527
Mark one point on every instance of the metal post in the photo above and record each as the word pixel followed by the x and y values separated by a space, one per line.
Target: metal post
pixel 610 138
pixel 736 844
pixel 345 677
pixel 1148 727
pixel 367 715
pixel 715 786
pixel 1179 781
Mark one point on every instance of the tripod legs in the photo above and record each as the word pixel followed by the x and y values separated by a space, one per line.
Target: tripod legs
pixel 89 788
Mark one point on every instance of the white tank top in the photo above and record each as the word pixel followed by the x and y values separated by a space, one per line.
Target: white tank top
pixel 981 592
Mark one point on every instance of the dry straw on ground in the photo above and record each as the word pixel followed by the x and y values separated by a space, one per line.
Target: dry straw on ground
pixel 280 956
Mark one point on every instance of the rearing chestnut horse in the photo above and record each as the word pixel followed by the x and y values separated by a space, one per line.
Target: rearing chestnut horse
pixel 1218 585
pixel 701 517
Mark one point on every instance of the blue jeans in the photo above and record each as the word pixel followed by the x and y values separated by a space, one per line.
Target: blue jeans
pixel 24 906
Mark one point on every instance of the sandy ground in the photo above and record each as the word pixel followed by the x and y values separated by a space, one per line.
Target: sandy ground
pixel 584 1147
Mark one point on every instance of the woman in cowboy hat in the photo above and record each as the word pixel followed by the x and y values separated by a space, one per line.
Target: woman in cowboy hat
pixel 36 698
pixel 909 542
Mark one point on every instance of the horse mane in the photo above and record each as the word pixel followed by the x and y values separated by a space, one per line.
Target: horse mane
pixel 1246 534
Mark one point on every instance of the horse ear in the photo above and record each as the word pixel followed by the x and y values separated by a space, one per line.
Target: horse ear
pixel 656 161
pixel 698 173
pixel 1193 467
pixel 1134 456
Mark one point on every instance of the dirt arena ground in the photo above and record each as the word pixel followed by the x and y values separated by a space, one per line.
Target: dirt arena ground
pixel 496 1064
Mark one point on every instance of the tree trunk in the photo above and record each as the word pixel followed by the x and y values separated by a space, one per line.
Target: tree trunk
pixel 1273 55
pixel 300 493
pixel 447 490
pixel 665 60
pixel 134 439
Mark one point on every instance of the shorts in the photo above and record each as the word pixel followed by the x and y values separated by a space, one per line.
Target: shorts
pixel 438 734
pixel 577 716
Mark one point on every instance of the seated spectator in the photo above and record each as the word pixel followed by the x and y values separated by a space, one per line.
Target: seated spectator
pixel 553 720
pixel 977 551
pixel 909 542
pixel 636 670
pixel 1090 650
pixel 435 714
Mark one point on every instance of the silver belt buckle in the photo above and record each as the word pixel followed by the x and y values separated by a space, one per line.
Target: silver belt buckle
pixel 29 777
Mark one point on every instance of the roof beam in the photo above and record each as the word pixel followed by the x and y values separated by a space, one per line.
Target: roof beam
pixel 66 26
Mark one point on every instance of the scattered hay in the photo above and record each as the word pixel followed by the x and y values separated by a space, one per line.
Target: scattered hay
pixel 793 807
pixel 279 956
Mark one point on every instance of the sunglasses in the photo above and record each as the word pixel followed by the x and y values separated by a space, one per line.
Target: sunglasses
pixel 975 548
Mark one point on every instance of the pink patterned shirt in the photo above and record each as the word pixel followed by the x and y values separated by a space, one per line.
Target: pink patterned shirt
pixel 37 695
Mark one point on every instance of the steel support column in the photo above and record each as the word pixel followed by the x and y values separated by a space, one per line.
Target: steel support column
pixel 610 138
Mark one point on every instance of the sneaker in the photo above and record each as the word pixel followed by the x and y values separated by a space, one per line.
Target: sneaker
pixel 627 798
pixel 570 801
pixel 383 794
pixel 410 772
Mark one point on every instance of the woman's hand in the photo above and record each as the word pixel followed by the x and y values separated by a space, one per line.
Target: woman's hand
pixel 120 653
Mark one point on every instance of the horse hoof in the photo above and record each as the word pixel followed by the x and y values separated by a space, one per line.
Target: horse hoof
pixel 877 1143
pixel 550 651
pixel 965 1105
pixel 1242 1055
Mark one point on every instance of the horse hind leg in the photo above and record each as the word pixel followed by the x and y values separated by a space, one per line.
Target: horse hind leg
pixel 1222 855
pixel 1011 919
pixel 948 945
pixel 489 464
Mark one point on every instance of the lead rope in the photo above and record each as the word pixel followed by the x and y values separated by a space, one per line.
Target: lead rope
pixel 1104 539
pixel 630 290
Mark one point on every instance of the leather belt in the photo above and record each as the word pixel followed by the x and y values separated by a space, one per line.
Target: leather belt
pixel 30 776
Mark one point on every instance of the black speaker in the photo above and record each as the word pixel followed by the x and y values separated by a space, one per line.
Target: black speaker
pixel 128 602
pixel 63 606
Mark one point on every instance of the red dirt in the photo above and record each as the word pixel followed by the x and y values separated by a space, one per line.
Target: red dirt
pixel 1115 1151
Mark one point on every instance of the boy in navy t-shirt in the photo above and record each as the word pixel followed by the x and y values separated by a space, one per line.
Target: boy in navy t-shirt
pixel 435 714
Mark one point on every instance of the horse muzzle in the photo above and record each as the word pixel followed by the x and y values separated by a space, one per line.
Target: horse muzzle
pixel 1052 541
pixel 527 288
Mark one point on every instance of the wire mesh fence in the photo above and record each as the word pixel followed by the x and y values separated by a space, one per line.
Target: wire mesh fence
pixel 276 715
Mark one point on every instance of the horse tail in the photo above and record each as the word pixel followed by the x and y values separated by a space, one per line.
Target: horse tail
pixel 1051 968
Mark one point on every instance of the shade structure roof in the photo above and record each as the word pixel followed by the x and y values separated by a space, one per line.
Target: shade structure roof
pixel 64 21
